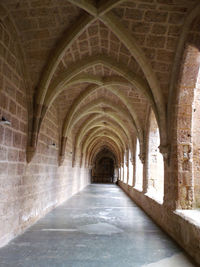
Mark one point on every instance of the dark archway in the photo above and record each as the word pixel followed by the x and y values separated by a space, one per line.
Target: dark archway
pixel 103 170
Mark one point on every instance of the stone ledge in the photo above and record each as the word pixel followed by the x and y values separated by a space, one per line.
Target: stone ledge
pixel 191 216
pixel 137 188
pixel 155 197
pixel 149 195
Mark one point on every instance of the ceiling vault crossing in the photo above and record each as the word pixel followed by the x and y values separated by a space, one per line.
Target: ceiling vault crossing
pixel 88 63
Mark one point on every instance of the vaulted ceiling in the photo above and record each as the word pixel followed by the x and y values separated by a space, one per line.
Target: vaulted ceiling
pixel 104 64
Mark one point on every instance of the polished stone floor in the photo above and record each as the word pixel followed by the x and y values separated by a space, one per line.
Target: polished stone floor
pixel 100 226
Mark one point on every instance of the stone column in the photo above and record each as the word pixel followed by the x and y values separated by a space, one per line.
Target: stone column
pixel 127 164
pixel 169 196
pixel 132 160
pixel 122 171
pixel 143 158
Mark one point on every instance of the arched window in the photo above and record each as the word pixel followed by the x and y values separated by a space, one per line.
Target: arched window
pixel 130 166
pixel 139 168
pixel 155 183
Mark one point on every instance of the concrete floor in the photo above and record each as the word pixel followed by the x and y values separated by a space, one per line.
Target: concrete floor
pixel 100 226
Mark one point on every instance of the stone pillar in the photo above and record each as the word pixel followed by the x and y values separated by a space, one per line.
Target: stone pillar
pixel 142 157
pixel 122 171
pixel 119 169
pixel 127 164
pixel 116 173
pixel 169 195
pixel 132 160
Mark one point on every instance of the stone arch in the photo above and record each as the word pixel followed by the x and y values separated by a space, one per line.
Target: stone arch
pixel 186 130
pixel 62 80
pixel 113 137
pixel 111 155
pixel 173 88
pixel 110 126
pixel 93 123
pixel 153 93
pixel 91 146
pixel 99 130
pixel 102 132
pixel 182 198
pixel 154 159
pixel 70 76
pixel 108 173
pixel 66 77
pixel 124 35
pixel 98 148
pixel 112 115
pixel 98 151
pixel 93 107
pixel 71 35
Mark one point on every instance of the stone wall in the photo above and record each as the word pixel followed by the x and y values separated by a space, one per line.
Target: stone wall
pixel 28 191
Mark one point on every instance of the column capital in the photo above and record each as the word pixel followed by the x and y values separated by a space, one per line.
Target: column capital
pixel 30 152
pixel 132 160
pixel 142 157
pixel 165 150
pixel 61 159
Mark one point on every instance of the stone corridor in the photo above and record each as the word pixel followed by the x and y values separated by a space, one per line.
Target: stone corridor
pixel 99 91
pixel 99 226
